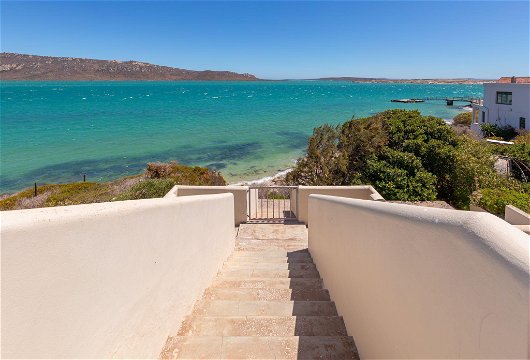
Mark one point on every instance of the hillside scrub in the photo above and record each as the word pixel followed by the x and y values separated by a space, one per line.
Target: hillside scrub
pixel 404 155
pixel 463 119
pixel 157 180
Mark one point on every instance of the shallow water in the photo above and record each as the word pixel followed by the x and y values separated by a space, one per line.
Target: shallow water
pixel 57 131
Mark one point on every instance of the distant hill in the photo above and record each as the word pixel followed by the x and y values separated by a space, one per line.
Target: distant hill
pixel 410 81
pixel 32 67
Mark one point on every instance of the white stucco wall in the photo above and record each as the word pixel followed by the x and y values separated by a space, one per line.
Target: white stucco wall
pixel 240 196
pixel 365 192
pixel 110 280
pixel 414 282
pixel 506 114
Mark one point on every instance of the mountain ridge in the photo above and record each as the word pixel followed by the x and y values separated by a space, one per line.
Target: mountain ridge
pixel 14 66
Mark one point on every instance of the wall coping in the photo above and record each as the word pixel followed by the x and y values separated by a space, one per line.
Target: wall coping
pixel 14 219
pixel 497 236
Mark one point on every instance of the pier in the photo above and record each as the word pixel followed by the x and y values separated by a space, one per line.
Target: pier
pixel 449 100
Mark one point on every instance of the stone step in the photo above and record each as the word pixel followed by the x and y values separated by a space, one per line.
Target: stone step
pixel 264 308
pixel 274 243
pixel 260 273
pixel 268 266
pixel 272 253
pixel 278 283
pixel 267 294
pixel 242 347
pixel 263 326
pixel 290 248
pixel 270 259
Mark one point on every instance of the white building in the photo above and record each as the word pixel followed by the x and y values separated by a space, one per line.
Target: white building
pixel 506 103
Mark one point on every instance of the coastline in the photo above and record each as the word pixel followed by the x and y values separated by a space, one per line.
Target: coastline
pixel 267 180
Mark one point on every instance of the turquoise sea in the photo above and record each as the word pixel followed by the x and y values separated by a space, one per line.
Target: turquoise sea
pixel 56 131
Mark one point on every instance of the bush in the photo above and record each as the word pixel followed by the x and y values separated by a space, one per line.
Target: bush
pixel 405 156
pixel 148 189
pixel 400 176
pixel 473 169
pixel 523 138
pixel 184 175
pixel 507 132
pixel 463 119
pixel 495 200
pixel 158 170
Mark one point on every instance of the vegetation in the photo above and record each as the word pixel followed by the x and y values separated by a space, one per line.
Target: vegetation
pixel 148 189
pixel 158 179
pixel 519 154
pixel 496 132
pixel 405 156
pixel 495 200
pixel 463 119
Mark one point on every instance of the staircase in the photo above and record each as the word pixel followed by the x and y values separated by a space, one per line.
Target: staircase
pixel 267 302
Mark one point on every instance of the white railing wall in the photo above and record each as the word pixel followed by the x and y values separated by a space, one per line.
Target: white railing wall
pixel 416 282
pixel 110 280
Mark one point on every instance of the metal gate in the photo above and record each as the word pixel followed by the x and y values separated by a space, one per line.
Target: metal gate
pixel 272 203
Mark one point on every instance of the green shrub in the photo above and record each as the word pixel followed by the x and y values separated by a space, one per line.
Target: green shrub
pixel 148 189
pixel 400 176
pixel 463 119
pixel 406 156
pixel 495 200
pixel 507 132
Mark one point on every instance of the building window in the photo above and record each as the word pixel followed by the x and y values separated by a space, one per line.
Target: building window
pixel 522 123
pixel 483 116
pixel 504 98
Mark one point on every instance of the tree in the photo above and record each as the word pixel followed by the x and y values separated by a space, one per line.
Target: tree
pixel 318 166
pixel 405 156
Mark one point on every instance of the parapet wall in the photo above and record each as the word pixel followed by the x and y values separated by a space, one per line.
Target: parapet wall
pixel 365 192
pixel 240 194
pixel 110 280
pixel 416 282
pixel 517 218
pixel 299 197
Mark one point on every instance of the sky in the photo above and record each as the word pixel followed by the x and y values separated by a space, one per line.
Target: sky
pixel 282 39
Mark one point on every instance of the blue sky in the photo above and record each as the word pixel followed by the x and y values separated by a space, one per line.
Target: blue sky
pixel 396 39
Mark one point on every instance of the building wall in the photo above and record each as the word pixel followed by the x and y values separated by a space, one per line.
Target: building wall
pixel 414 282
pixel 503 115
pixel 109 280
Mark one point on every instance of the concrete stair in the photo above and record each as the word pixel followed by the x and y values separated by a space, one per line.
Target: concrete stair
pixel 267 302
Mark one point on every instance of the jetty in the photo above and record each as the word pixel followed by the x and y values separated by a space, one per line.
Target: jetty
pixel 449 100
pixel 408 100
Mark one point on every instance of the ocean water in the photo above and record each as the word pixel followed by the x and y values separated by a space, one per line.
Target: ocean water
pixel 57 131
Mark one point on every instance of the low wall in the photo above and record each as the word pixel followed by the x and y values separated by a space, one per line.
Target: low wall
pixel 517 218
pixel 364 192
pixel 416 282
pixel 110 280
pixel 240 196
